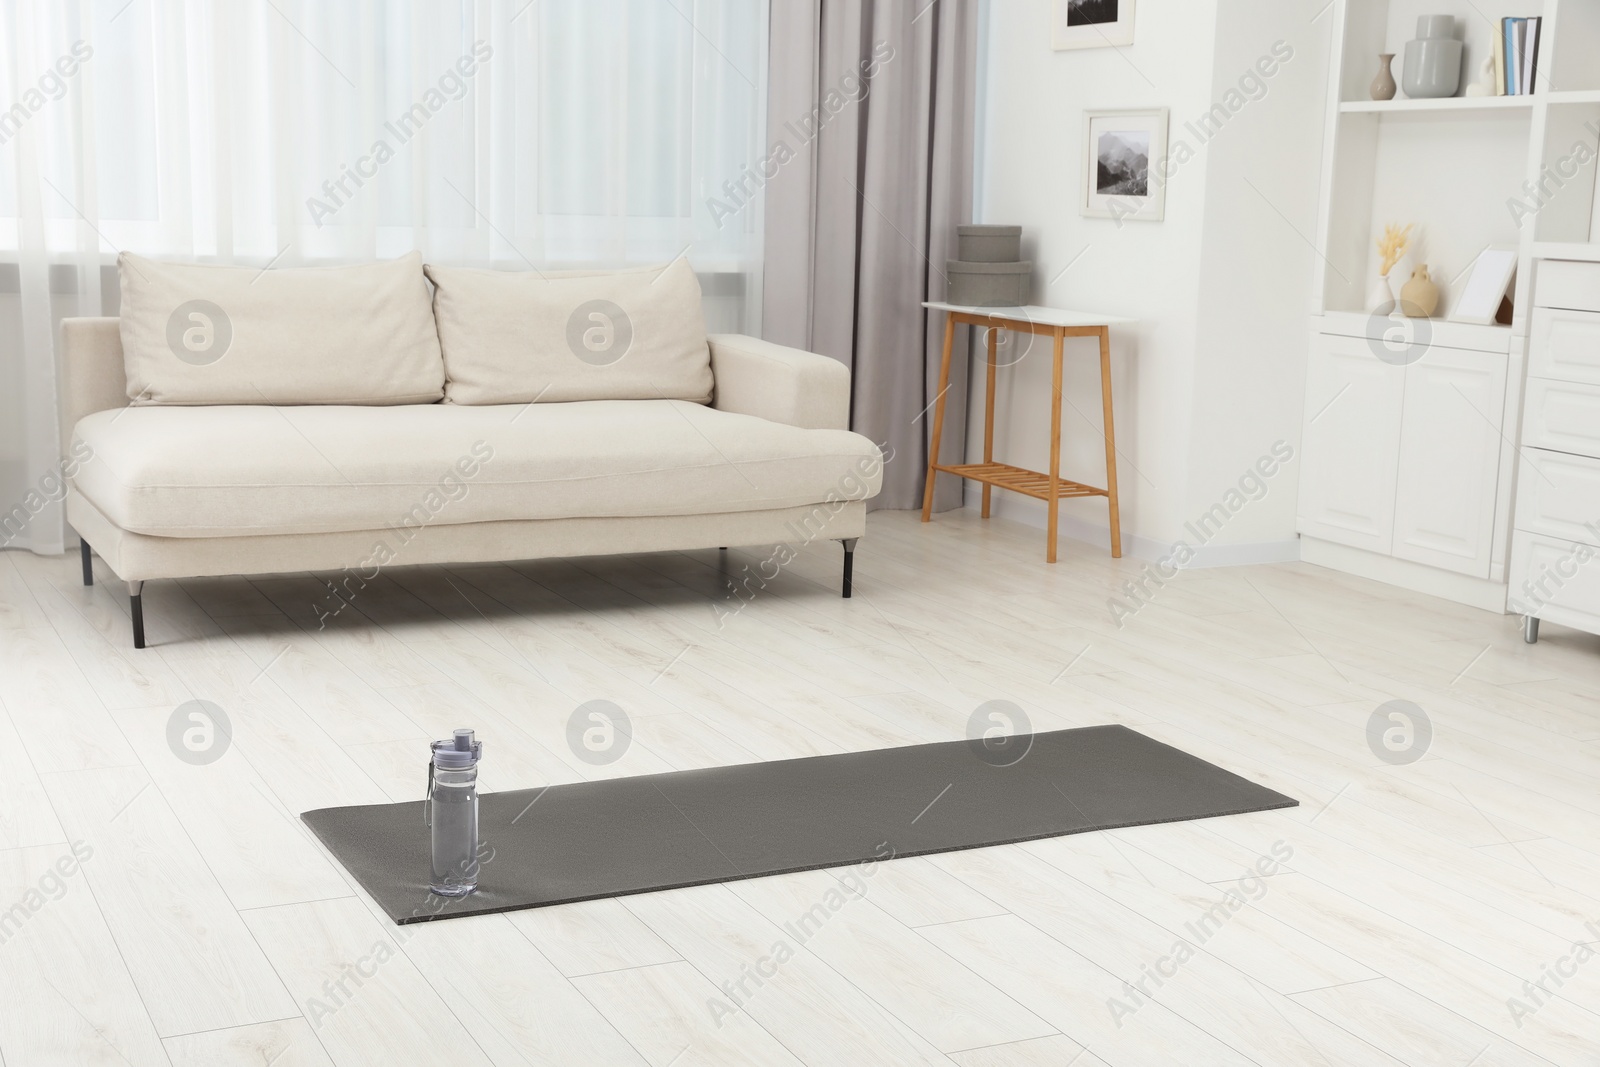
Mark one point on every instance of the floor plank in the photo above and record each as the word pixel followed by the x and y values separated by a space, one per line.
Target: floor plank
pixel 287 1043
pixel 195 964
pixel 64 981
pixel 364 997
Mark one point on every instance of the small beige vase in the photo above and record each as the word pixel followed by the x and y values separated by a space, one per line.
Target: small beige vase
pixel 1419 297
pixel 1383 85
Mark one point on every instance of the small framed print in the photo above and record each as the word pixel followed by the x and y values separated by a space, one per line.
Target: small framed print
pixel 1090 23
pixel 1486 287
pixel 1123 154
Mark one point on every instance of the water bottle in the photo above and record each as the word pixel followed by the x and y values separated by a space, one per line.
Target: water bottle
pixel 451 812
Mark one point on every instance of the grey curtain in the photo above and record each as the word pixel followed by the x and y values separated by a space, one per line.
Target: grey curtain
pixel 870 107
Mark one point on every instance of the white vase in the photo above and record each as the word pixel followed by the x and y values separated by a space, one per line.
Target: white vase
pixel 1380 299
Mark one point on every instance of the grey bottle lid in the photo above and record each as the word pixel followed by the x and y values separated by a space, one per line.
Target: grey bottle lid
pixel 1429 26
pixel 458 753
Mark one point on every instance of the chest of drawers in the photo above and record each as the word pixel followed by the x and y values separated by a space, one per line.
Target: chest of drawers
pixel 1555 541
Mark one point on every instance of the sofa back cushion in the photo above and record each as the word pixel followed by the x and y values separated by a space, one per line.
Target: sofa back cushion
pixel 514 337
pixel 194 334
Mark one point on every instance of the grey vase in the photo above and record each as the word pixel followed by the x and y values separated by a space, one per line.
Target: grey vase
pixel 1433 60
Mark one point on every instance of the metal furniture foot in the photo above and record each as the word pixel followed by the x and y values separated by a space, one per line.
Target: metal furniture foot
pixel 849 544
pixel 88 561
pixel 136 600
pixel 1530 628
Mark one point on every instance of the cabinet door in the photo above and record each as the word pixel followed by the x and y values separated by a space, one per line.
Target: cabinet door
pixel 1352 436
pixel 1450 441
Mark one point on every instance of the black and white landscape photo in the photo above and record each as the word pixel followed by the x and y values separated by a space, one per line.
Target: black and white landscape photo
pixel 1091 12
pixel 1123 163
pixel 1091 23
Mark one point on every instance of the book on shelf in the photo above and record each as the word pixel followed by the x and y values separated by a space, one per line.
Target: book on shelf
pixel 1530 53
pixel 1516 56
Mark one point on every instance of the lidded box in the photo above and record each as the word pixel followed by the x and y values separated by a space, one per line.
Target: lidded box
pixel 992 285
pixel 988 244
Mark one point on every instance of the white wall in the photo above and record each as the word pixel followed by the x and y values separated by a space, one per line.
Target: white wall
pixel 1211 374
pixel 1256 273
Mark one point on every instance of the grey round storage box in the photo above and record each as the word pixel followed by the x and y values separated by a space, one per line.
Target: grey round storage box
pixel 988 244
pixel 988 285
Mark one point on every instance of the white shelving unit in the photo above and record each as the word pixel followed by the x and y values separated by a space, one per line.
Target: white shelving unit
pixel 1409 461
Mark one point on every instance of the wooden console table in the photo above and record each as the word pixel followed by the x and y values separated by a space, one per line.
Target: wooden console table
pixel 1056 323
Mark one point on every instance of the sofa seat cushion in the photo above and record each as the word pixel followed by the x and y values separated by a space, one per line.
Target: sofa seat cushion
pixel 221 471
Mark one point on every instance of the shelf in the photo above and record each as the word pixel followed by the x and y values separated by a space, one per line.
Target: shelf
pixel 1444 103
pixel 1588 251
pixel 1019 480
pixel 1468 103
pixel 1444 333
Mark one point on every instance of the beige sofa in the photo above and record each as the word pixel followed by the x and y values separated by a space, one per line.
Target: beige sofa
pixel 168 485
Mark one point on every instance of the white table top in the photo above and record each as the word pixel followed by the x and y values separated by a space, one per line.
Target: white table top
pixel 1034 313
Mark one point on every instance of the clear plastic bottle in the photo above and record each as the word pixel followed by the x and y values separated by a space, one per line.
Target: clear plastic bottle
pixel 451 812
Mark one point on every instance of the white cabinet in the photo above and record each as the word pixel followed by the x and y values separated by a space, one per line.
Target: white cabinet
pixel 1449 465
pixel 1404 461
pixel 1413 483
pixel 1555 546
pixel 1351 439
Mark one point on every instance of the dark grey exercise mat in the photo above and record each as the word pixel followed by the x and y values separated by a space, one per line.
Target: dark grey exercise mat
pixel 576 842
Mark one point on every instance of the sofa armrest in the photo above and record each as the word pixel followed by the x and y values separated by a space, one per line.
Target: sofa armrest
pixel 91 375
pixel 770 381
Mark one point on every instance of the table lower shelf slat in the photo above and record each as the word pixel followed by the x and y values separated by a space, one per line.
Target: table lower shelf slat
pixel 1019 480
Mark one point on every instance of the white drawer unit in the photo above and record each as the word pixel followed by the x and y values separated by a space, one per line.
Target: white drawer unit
pixel 1565 345
pixel 1566 284
pixel 1562 416
pixel 1555 540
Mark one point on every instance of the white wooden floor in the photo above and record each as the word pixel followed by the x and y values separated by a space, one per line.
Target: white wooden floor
pixel 208 928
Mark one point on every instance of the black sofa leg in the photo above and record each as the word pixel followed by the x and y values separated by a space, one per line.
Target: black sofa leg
pixel 136 600
pixel 88 561
pixel 849 544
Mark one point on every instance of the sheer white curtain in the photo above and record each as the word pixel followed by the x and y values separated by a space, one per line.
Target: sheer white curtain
pixel 505 133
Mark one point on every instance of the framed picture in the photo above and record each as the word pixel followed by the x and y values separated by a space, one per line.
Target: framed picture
pixel 1486 286
pixel 1123 152
pixel 1090 23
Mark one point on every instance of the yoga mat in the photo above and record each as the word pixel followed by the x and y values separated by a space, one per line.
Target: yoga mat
pixel 609 838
